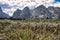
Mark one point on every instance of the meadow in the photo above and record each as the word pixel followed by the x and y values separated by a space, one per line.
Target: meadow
pixel 29 29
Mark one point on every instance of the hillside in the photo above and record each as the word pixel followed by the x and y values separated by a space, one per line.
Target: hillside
pixel 29 29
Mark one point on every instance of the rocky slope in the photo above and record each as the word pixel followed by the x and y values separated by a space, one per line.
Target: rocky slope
pixel 40 12
pixel 16 14
pixel 2 14
pixel 25 13
pixel 55 12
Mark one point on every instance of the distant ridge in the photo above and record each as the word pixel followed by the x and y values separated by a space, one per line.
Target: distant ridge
pixel 40 12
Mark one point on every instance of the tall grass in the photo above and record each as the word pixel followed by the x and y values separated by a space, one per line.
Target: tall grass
pixel 29 29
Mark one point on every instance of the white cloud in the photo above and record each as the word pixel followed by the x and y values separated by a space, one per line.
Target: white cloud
pixel 23 3
pixel 57 4
pixel 9 11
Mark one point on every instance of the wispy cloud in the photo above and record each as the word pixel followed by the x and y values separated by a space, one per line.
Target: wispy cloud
pixel 14 4
pixel 30 3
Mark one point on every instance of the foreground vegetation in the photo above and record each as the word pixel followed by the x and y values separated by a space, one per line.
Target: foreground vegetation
pixel 29 29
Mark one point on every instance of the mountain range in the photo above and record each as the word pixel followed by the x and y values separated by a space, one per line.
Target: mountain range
pixel 40 12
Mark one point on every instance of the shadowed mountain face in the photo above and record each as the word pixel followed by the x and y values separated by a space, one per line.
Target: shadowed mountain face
pixel 37 13
pixel 41 12
pixel 2 14
pixel 55 12
pixel 25 13
pixel 16 14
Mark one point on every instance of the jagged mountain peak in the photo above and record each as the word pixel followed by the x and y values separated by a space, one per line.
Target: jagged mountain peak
pixel 39 12
pixel 18 10
pixel 41 6
pixel 25 13
pixel 54 8
pixel 26 8
pixel 55 12
pixel 16 14
pixel 51 7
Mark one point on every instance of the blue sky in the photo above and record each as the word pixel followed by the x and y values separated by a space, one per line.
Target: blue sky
pixel 57 0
